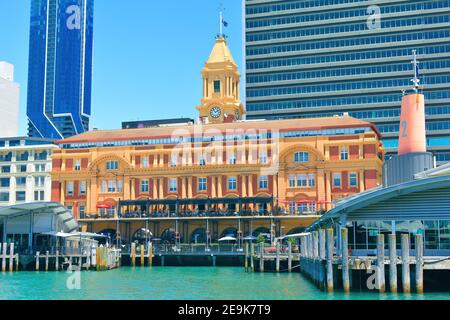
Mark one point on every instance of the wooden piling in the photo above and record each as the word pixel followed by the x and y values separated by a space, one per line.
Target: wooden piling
pixel 246 257
pixel 57 261
pixel 289 256
pixel 133 254
pixel 214 261
pixel 252 252
pixel 380 263
pixel 142 255
pixel 5 248
pixel 150 254
pixel 278 257
pixel 46 260
pixel 162 261
pixel 329 251
pixel 419 263
pixel 345 265
pixel 406 277
pixel 393 263
pixel 322 247
pixel 261 257
pixel 37 261
pixel 315 241
pixel 11 257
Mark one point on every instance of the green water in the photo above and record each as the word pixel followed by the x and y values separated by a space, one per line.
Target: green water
pixel 170 283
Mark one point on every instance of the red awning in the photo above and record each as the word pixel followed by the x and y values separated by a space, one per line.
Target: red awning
pixel 104 206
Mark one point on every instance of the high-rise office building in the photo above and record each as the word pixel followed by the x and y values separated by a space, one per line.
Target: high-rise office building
pixel 320 58
pixel 60 68
pixel 9 101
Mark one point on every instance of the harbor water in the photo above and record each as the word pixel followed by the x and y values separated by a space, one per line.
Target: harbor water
pixel 170 283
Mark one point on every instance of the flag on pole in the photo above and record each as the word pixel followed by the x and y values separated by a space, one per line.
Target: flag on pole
pixel 225 24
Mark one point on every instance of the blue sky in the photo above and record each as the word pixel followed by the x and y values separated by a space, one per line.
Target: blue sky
pixel 148 55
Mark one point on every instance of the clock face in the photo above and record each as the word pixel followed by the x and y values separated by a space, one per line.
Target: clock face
pixel 215 112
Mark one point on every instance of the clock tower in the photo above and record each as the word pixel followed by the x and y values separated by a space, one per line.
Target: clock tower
pixel 221 97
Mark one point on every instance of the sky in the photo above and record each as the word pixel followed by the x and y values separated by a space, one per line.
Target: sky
pixel 148 55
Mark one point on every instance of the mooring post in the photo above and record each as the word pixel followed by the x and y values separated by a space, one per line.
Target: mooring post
pixel 345 266
pixel 278 257
pixel 406 277
pixel 419 263
pixel 37 260
pixel 11 257
pixel 5 247
pixel 162 261
pixel 57 260
pixel 310 246
pixel 393 263
pixel 150 254
pixel 142 255
pixel 214 261
pixel 322 241
pixel 252 252
pixel 316 244
pixel 46 261
pixel 289 256
pixel 261 257
pixel 133 254
pixel 330 246
pixel 246 257
pixel 380 263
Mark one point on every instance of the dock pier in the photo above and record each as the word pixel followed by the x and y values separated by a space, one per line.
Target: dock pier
pixel 9 259
pixel 342 269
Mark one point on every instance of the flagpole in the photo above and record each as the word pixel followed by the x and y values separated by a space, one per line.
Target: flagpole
pixel 221 24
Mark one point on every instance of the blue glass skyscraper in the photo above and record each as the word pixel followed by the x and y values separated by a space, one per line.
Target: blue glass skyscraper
pixel 313 58
pixel 60 67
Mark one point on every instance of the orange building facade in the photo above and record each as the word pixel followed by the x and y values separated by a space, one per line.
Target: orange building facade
pixel 285 172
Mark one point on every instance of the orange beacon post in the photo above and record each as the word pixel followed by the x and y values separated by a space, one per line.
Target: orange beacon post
pixel 412 137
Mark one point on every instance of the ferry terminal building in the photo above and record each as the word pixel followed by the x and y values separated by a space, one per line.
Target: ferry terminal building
pixel 221 176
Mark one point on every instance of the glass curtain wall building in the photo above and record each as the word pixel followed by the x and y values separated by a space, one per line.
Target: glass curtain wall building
pixel 314 58
pixel 60 68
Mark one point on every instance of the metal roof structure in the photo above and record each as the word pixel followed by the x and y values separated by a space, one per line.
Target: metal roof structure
pixel 420 199
pixel 62 218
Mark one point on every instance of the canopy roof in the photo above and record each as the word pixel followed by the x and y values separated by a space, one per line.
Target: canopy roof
pixel 64 220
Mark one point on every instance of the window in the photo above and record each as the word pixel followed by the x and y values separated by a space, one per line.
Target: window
pixel 112 165
pixel 201 184
pixel 292 181
pixel 173 161
pixel 4 196
pixel 337 180
pixel 82 210
pixel 202 161
pixel 21 181
pixel 20 196
pixel 353 180
pixel 39 168
pixel 112 186
pixel 232 159
pixel 21 168
pixel 39 196
pixel 232 183
pixel 263 182
pixel 77 166
pixel 216 86
pixel 145 162
pixel 39 181
pixel 119 186
pixel 70 188
pixel 302 180
pixel 173 184
pixel 4 183
pixel 103 186
pixel 344 153
pixel 22 156
pixel 82 188
pixel 6 169
pixel 301 157
pixel 263 158
pixel 41 156
pixel 144 186
pixel 312 180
